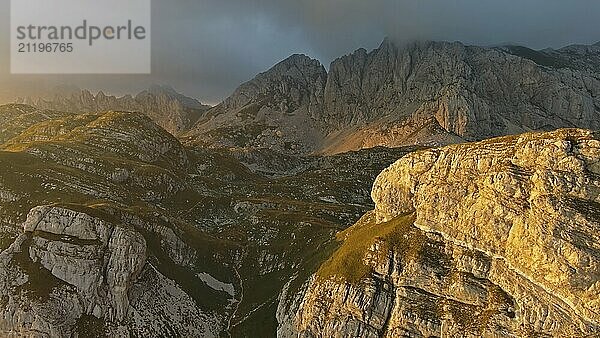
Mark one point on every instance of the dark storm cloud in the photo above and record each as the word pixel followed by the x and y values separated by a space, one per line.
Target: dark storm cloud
pixel 207 47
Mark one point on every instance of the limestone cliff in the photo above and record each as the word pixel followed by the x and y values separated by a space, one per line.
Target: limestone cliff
pixel 425 93
pixel 473 92
pixel 495 238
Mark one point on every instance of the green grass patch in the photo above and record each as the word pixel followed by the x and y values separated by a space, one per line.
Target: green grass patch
pixel 90 327
pixel 347 261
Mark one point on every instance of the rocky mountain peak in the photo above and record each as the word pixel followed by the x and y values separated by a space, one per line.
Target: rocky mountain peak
pixel 277 109
pixel 298 62
pixel 420 92
pixel 296 80
pixel 156 89
pixel 170 93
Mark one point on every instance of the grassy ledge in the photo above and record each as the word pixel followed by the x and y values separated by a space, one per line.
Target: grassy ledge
pixel 347 262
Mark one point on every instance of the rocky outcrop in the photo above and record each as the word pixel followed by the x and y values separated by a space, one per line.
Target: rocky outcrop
pixel 88 266
pixel 172 111
pixel 425 93
pixel 75 273
pixel 496 238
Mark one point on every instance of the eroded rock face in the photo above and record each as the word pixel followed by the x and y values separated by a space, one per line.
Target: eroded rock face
pixel 84 265
pixel 471 91
pixel 496 238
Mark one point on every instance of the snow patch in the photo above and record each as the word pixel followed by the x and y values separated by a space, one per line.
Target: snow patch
pixel 216 284
pixel 328 199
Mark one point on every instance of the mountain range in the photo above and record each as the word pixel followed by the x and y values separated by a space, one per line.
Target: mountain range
pixel 420 93
pixel 420 189
pixel 168 108
pixel 425 93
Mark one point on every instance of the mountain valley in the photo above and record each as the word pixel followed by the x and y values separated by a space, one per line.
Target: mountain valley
pixel 420 189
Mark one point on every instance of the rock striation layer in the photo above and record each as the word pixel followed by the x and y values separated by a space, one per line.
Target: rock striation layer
pixel 495 238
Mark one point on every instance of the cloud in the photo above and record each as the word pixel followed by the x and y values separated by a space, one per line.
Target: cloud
pixel 206 48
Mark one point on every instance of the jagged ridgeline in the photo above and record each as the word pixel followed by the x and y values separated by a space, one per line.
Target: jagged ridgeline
pixel 111 227
pixel 427 93
pixel 169 109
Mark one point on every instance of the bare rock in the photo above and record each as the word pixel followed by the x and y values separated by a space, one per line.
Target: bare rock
pixel 87 263
pixel 495 238
pixel 172 111
pixel 421 93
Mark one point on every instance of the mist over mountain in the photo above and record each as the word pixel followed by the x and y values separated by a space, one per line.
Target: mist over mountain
pixel 207 48
pixel 166 107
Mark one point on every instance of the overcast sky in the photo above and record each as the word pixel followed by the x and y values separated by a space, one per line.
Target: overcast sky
pixel 206 48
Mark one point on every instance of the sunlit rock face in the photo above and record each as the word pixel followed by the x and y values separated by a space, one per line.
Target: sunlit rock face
pixel 495 238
